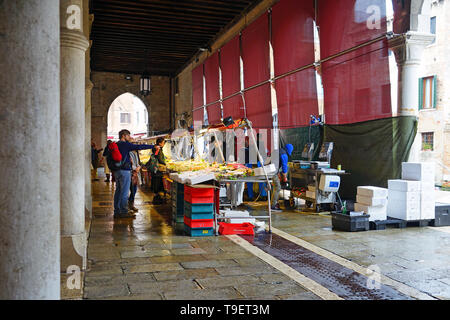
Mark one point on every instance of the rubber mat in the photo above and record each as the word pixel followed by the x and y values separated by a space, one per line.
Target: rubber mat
pixel 346 283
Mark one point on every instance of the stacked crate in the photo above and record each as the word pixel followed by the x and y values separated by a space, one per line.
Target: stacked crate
pixel 198 211
pixel 177 195
pixel 413 197
pixel 373 201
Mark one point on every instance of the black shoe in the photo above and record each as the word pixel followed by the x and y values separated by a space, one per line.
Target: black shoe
pixel 276 208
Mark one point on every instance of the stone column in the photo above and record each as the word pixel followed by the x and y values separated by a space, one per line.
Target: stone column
pixel 408 49
pixel 73 48
pixel 88 185
pixel 29 150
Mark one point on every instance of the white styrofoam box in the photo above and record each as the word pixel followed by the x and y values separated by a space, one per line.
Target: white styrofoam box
pixel 329 183
pixel 312 188
pixel 200 178
pixel 410 197
pixel 374 192
pixel 419 171
pixel 373 202
pixel 427 186
pixel 234 213
pixel 427 204
pixel 310 194
pixel 404 205
pixel 404 185
pixel 376 213
pixel 223 192
pixel 270 170
pixel 247 220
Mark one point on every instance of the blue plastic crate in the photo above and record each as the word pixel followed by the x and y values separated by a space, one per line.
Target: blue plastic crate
pixel 198 211
pixel 198 232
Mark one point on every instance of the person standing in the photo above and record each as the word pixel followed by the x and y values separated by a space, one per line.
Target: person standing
pixel 106 153
pixel 285 153
pixel 94 159
pixel 123 174
pixel 135 178
pixel 157 177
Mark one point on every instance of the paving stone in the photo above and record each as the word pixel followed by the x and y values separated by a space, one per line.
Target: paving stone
pixel 180 258
pixel 274 278
pixel 186 251
pixel 185 274
pixel 188 286
pixel 104 270
pixel 154 267
pixel 229 271
pixel 211 294
pixel 144 253
pixel 228 255
pixel 117 280
pixel 252 261
pixel 209 264
pixel 148 296
pixel 300 296
pixel 221 281
pixel 285 288
pixel 105 291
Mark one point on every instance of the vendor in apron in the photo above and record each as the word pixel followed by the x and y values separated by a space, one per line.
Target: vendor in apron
pixel 281 177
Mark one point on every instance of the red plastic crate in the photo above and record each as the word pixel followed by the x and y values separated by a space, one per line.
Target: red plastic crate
pixel 198 195
pixel 236 228
pixel 207 223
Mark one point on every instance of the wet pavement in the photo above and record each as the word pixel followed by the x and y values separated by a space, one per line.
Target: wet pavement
pixel 148 258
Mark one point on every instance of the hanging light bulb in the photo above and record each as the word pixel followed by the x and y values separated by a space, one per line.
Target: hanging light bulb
pixel 145 88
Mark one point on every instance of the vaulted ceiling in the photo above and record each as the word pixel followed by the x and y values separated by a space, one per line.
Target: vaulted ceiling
pixel 158 35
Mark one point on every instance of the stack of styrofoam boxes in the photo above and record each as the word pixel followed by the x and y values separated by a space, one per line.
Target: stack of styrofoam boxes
pixel 199 211
pixel 373 201
pixel 424 173
pixel 235 216
pixel 404 199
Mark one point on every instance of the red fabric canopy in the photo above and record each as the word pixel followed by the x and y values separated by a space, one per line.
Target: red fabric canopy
pixel 230 65
pixel 357 84
pixel 255 51
pixel 259 108
pixel 293 47
pixel 198 116
pixel 297 99
pixel 214 114
pixel 292 35
pixel 197 86
pixel 233 107
pixel 212 78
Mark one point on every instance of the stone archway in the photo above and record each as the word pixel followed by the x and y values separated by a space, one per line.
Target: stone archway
pixel 108 86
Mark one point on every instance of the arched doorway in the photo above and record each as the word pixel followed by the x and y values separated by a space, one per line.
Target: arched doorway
pixel 127 112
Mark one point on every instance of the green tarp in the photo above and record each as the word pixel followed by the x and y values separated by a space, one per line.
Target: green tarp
pixel 372 152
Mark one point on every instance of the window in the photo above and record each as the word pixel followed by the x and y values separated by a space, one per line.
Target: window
pixel 137 117
pixel 427 93
pixel 428 141
pixel 125 118
pixel 433 27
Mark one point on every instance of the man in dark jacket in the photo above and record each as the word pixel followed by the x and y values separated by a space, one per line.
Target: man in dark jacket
pixel 123 175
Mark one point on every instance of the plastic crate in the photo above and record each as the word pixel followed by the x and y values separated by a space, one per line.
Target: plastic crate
pixel 200 211
pixel 236 228
pixel 344 222
pixel 198 195
pixel 198 232
pixel 442 215
pixel 206 223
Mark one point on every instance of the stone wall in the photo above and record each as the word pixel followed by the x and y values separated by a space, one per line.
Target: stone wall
pixel 108 86
pixel 435 62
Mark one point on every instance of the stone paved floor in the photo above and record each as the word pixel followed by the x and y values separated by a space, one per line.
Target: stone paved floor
pixel 147 258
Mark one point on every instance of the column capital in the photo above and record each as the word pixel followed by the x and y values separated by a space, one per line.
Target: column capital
pixel 73 39
pixel 408 47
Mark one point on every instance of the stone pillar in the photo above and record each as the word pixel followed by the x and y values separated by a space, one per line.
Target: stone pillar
pixel 87 177
pixel 408 49
pixel 73 48
pixel 29 150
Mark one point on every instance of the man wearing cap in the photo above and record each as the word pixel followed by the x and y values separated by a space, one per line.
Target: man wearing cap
pixel 285 153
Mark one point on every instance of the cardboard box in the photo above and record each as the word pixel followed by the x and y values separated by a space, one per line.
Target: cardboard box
pixel 311 194
pixel 419 171
pixel 373 202
pixel 373 192
pixel 404 185
pixel 376 213
pixel 312 188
